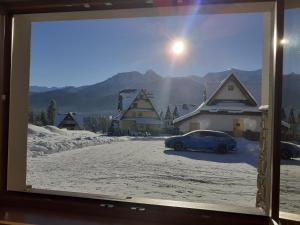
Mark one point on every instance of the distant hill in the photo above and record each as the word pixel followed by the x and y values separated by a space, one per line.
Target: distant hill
pixel 39 89
pixel 291 91
pixel 102 97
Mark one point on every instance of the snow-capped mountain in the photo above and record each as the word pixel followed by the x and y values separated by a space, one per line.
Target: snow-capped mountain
pixel 103 97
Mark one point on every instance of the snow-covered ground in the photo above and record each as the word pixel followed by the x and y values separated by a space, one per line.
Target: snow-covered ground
pixel 142 167
pixel 50 139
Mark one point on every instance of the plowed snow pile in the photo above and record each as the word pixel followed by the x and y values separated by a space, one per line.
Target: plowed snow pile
pixel 50 139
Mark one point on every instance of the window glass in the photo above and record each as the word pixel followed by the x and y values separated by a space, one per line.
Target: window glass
pixel 290 115
pixel 110 101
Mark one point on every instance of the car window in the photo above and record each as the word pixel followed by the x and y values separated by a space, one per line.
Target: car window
pixel 205 134
pixel 196 134
pixel 222 135
pixel 213 134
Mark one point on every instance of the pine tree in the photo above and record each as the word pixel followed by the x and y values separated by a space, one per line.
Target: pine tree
pixel 168 115
pixel 292 117
pixel 37 119
pixel 31 117
pixel 43 119
pixel 51 111
pixel 283 115
pixel 175 113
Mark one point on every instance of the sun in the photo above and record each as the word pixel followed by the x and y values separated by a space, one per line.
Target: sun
pixel 178 47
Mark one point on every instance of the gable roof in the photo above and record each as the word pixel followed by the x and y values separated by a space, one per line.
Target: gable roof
pixel 179 109
pixel 76 117
pixel 130 97
pixel 295 115
pixel 184 109
pixel 250 99
pixel 127 98
pixel 230 108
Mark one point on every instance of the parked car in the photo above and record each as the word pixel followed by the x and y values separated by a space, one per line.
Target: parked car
pixel 289 150
pixel 215 141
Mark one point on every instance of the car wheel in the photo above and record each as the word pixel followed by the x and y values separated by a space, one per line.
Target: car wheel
pixel 222 149
pixel 178 146
pixel 286 154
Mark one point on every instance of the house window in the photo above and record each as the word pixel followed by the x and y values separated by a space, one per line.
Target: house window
pixel 140 114
pixel 230 87
pixel 93 43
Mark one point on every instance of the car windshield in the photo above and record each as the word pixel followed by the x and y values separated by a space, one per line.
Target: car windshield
pixel 206 134
pixel 194 134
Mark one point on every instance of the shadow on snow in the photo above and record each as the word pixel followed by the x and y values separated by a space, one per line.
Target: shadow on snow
pixel 292 162
pixel 240 156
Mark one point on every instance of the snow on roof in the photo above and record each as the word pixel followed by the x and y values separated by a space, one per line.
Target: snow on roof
pixel 213 109
pixel 145 121
pixel 128 96
pixel 77 117
pixel 184 109
pixel 285 124
pixel 232 77
pixel 228 107
pixel 58 119
pixel 296 112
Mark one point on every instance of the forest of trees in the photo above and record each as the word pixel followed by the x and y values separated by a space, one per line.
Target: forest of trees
pixel 44 118
pixel 93 122
pixel 96 123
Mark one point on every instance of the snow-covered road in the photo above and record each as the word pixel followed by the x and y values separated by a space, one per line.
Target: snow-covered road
pixel 142 167
pixel 146 169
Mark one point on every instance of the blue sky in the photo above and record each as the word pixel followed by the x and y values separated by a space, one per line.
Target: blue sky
pixel 292 48
pixel 75 53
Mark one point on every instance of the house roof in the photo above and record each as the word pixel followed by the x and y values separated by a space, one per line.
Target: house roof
pixel 184 109
pixel 129 96
pixel 78 118
pixel 295 114
pixel 285 124
pixel 238 83
pixel 181 109
pixel 230 107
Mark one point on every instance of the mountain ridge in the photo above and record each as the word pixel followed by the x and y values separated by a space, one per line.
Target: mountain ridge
pixel 102 97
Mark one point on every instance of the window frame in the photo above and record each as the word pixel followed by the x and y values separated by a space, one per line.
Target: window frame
pixel 51 201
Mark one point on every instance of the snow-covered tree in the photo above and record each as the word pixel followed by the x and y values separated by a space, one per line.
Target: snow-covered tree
pixel 291 119
pixel 283 115
pixel 51 111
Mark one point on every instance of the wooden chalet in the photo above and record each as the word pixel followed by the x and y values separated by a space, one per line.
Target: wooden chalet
pixel 231 108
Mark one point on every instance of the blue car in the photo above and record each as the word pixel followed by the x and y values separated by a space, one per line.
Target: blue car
pixel 215 141
pixel 289 150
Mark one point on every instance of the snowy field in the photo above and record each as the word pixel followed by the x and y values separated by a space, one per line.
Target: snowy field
pixel 83 161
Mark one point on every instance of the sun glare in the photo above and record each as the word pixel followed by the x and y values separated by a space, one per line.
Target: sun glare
pixel 178 47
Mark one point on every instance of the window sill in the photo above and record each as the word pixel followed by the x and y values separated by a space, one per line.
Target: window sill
pixel 59 206
pixel 156 202
pixel 289 218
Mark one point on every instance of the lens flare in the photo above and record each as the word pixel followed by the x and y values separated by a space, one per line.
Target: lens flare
pixel 178 47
